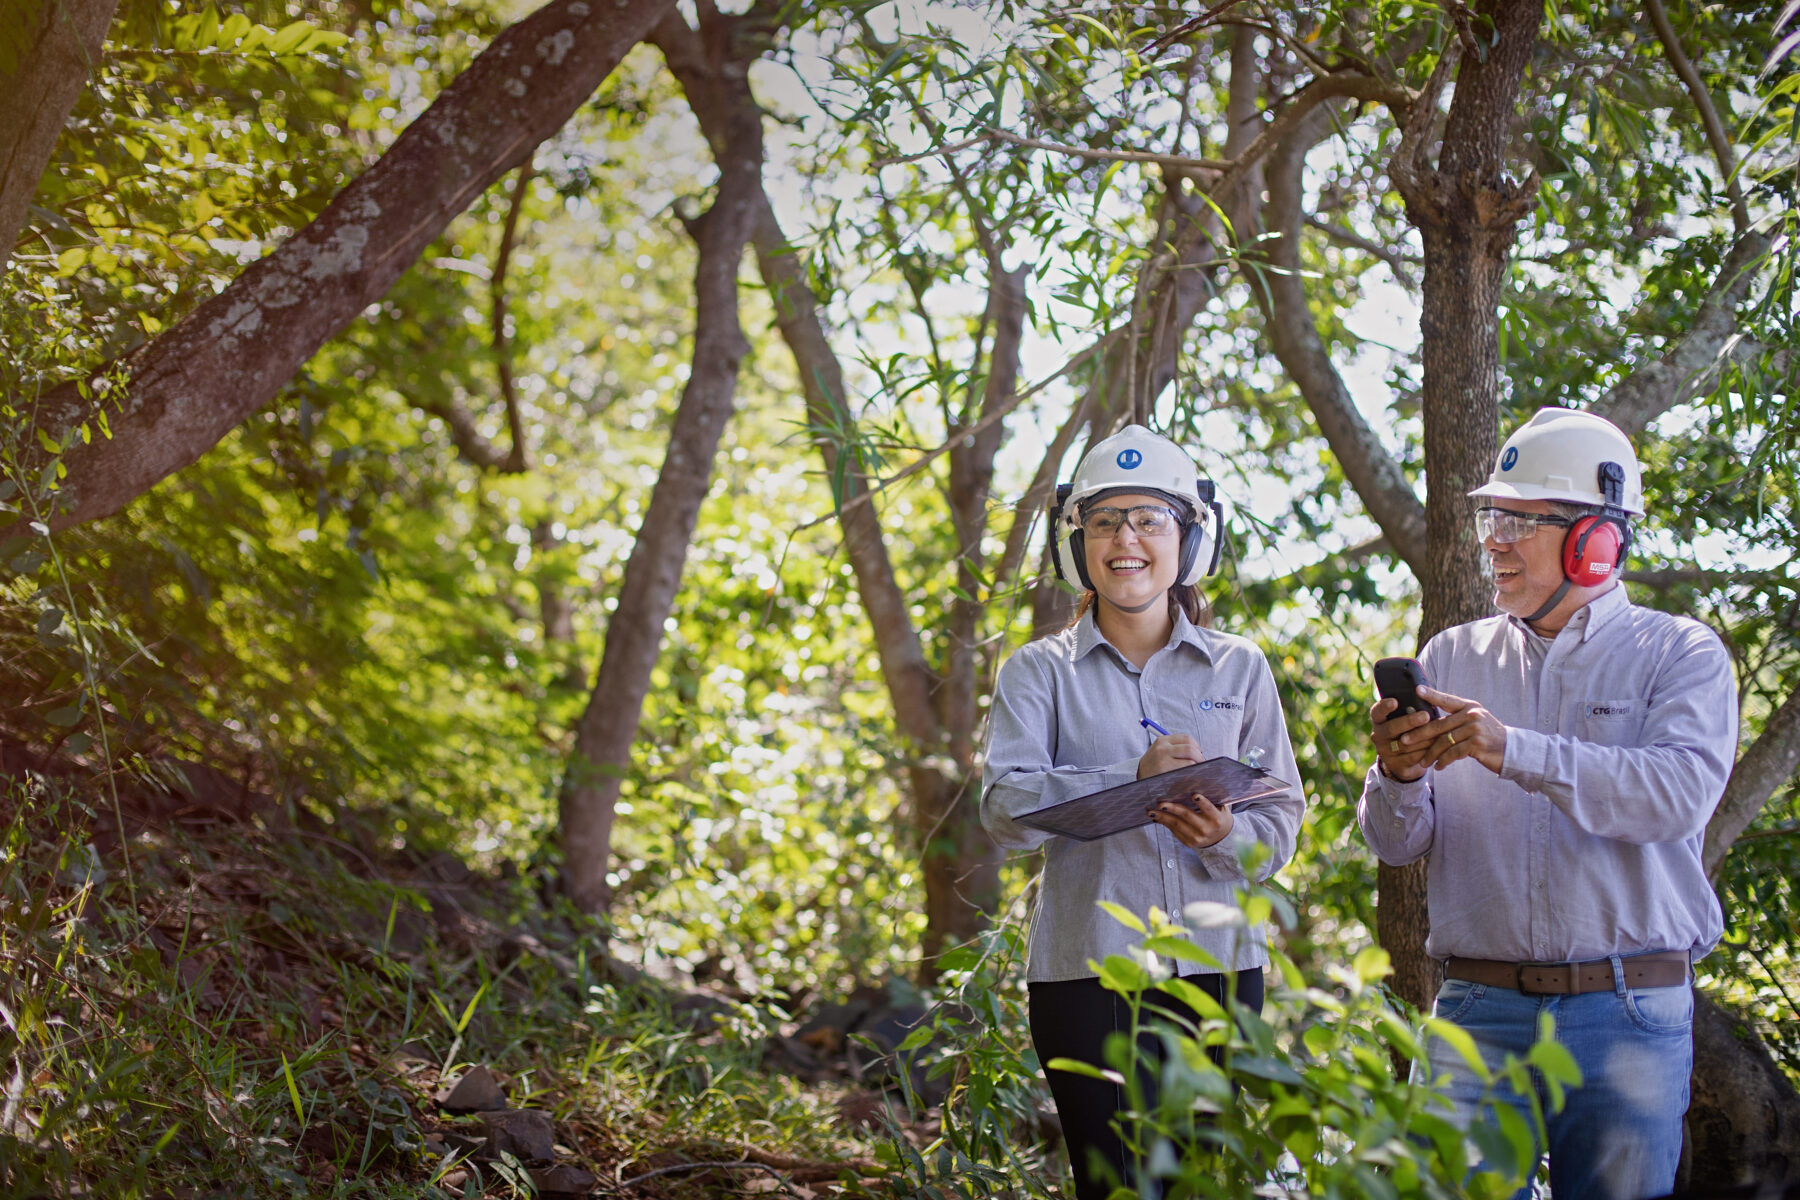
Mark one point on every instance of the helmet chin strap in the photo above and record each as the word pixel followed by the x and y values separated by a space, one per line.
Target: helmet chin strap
pixel 1132 608
pixel 1549 605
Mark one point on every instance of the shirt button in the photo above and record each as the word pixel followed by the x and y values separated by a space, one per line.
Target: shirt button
pixel 1540 885
pixel 1171 864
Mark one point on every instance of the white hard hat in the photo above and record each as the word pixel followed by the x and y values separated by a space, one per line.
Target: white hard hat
pixel 1561 454
pixel 1136 460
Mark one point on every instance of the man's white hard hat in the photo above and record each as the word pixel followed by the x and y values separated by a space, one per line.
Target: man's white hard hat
pixel 1134 459
pixel 1557 455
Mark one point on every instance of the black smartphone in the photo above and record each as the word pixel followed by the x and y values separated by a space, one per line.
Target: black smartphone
pixel 1400 679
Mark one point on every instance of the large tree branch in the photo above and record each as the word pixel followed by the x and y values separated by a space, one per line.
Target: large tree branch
pixel 36 101
pixel 1692 359
pixel 909 678
pixel 634 635
pixel 1769 763
pixel 230 356
pixel 1709 116
pixel 1294 336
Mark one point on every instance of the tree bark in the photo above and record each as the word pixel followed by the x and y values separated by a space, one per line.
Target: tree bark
pixel 1768 764
pixel 1743 1124
pixel 603 738
pixel 232 354
pixel 37 99
pixel 1467 211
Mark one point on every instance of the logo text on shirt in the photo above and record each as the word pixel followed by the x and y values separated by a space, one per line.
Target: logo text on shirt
pixel 1228 703
pixel 1609 708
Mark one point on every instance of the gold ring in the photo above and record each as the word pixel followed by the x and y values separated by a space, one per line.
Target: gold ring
pixel 1452 738
pixel 1394 746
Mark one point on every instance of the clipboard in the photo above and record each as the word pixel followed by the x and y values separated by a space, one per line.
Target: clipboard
pixel 1224 781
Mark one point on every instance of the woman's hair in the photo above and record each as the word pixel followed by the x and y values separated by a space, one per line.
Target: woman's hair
pixel 1182 596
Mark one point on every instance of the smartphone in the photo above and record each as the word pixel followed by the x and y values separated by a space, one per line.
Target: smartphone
pixel 1400 679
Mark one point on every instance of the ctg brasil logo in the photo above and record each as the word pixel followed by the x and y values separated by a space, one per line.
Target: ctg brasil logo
pixel 1510 459
pixel 1129 459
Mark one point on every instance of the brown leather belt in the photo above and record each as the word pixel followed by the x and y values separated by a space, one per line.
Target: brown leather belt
pixel 1668 968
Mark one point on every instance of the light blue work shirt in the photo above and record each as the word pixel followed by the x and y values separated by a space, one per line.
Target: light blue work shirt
pixel 1065 723
pixel 1621 732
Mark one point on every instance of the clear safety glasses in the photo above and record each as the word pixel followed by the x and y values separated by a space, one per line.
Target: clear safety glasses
pixel 1147 520
pixel 1504 527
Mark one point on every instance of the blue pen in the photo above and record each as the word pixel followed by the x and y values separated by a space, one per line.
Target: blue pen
pixel 1147 723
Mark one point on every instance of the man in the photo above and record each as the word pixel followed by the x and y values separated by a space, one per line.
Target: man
pixel 1560 797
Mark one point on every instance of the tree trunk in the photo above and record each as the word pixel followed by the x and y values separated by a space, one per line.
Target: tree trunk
pixel 961 865
pixel 66 38
pixel 1467 212
pixel 232 354
pixel 1743 1124
pixel 634 635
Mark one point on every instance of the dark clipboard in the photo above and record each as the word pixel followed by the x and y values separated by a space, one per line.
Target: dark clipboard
pixel 1224 781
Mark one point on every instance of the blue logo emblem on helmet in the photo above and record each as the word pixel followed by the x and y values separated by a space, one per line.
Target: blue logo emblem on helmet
pixel 1129 459
pixel 1510 459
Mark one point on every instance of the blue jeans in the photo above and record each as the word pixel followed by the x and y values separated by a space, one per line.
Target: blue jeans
pixel 1619 1135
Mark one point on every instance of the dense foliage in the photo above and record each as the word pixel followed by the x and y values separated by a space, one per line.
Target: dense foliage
pixel 355 605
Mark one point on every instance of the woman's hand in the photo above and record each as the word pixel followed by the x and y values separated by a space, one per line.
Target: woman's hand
pixel 1195 827
pixel 1168 752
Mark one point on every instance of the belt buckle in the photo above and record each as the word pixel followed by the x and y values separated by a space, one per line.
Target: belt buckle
pixel 1556 972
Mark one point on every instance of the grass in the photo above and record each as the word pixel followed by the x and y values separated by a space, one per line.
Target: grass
pixel 274 1013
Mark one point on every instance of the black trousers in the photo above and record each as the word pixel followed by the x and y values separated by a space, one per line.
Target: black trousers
pixel 1071 1019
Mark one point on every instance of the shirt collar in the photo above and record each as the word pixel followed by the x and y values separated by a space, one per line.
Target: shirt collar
pixel 1591 617
pixel 1088 635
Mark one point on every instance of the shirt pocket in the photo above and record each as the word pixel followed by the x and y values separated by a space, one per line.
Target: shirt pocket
pixel 1610 722
pixel 1218 720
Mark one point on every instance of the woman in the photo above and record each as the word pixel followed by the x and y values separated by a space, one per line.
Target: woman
pixel 1137 530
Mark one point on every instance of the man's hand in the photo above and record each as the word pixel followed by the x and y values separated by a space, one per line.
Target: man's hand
pixel 1466 730
pixel 1398 759
pixel 1168 752
pixel 1196 827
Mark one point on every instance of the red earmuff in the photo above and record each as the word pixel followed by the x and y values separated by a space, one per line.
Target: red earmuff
pixel 1593 547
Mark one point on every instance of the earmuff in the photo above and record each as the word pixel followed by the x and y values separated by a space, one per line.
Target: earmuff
pixel 1199 556
pixel 1594 546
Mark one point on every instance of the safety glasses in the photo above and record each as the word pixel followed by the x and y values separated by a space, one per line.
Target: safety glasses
pixel 1503 526
pixel 1147 520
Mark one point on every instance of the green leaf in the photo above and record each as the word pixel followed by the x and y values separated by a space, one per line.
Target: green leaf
pixel 1171 946
pixel 50 444
pixel 1122 975
pixel 1077 1067
pixel 65 717
pixel 290 37
pixel 1371 964
pixel 293 1090
pixel 1124 916
pixel 1459 1040
pixel 232 30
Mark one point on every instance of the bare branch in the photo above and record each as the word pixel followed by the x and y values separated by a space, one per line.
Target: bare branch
pixel 1180 161
pixel 1709 116
pixel 519 459
pixel 1372 471
pixel 1402 265
pixel 1768 764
